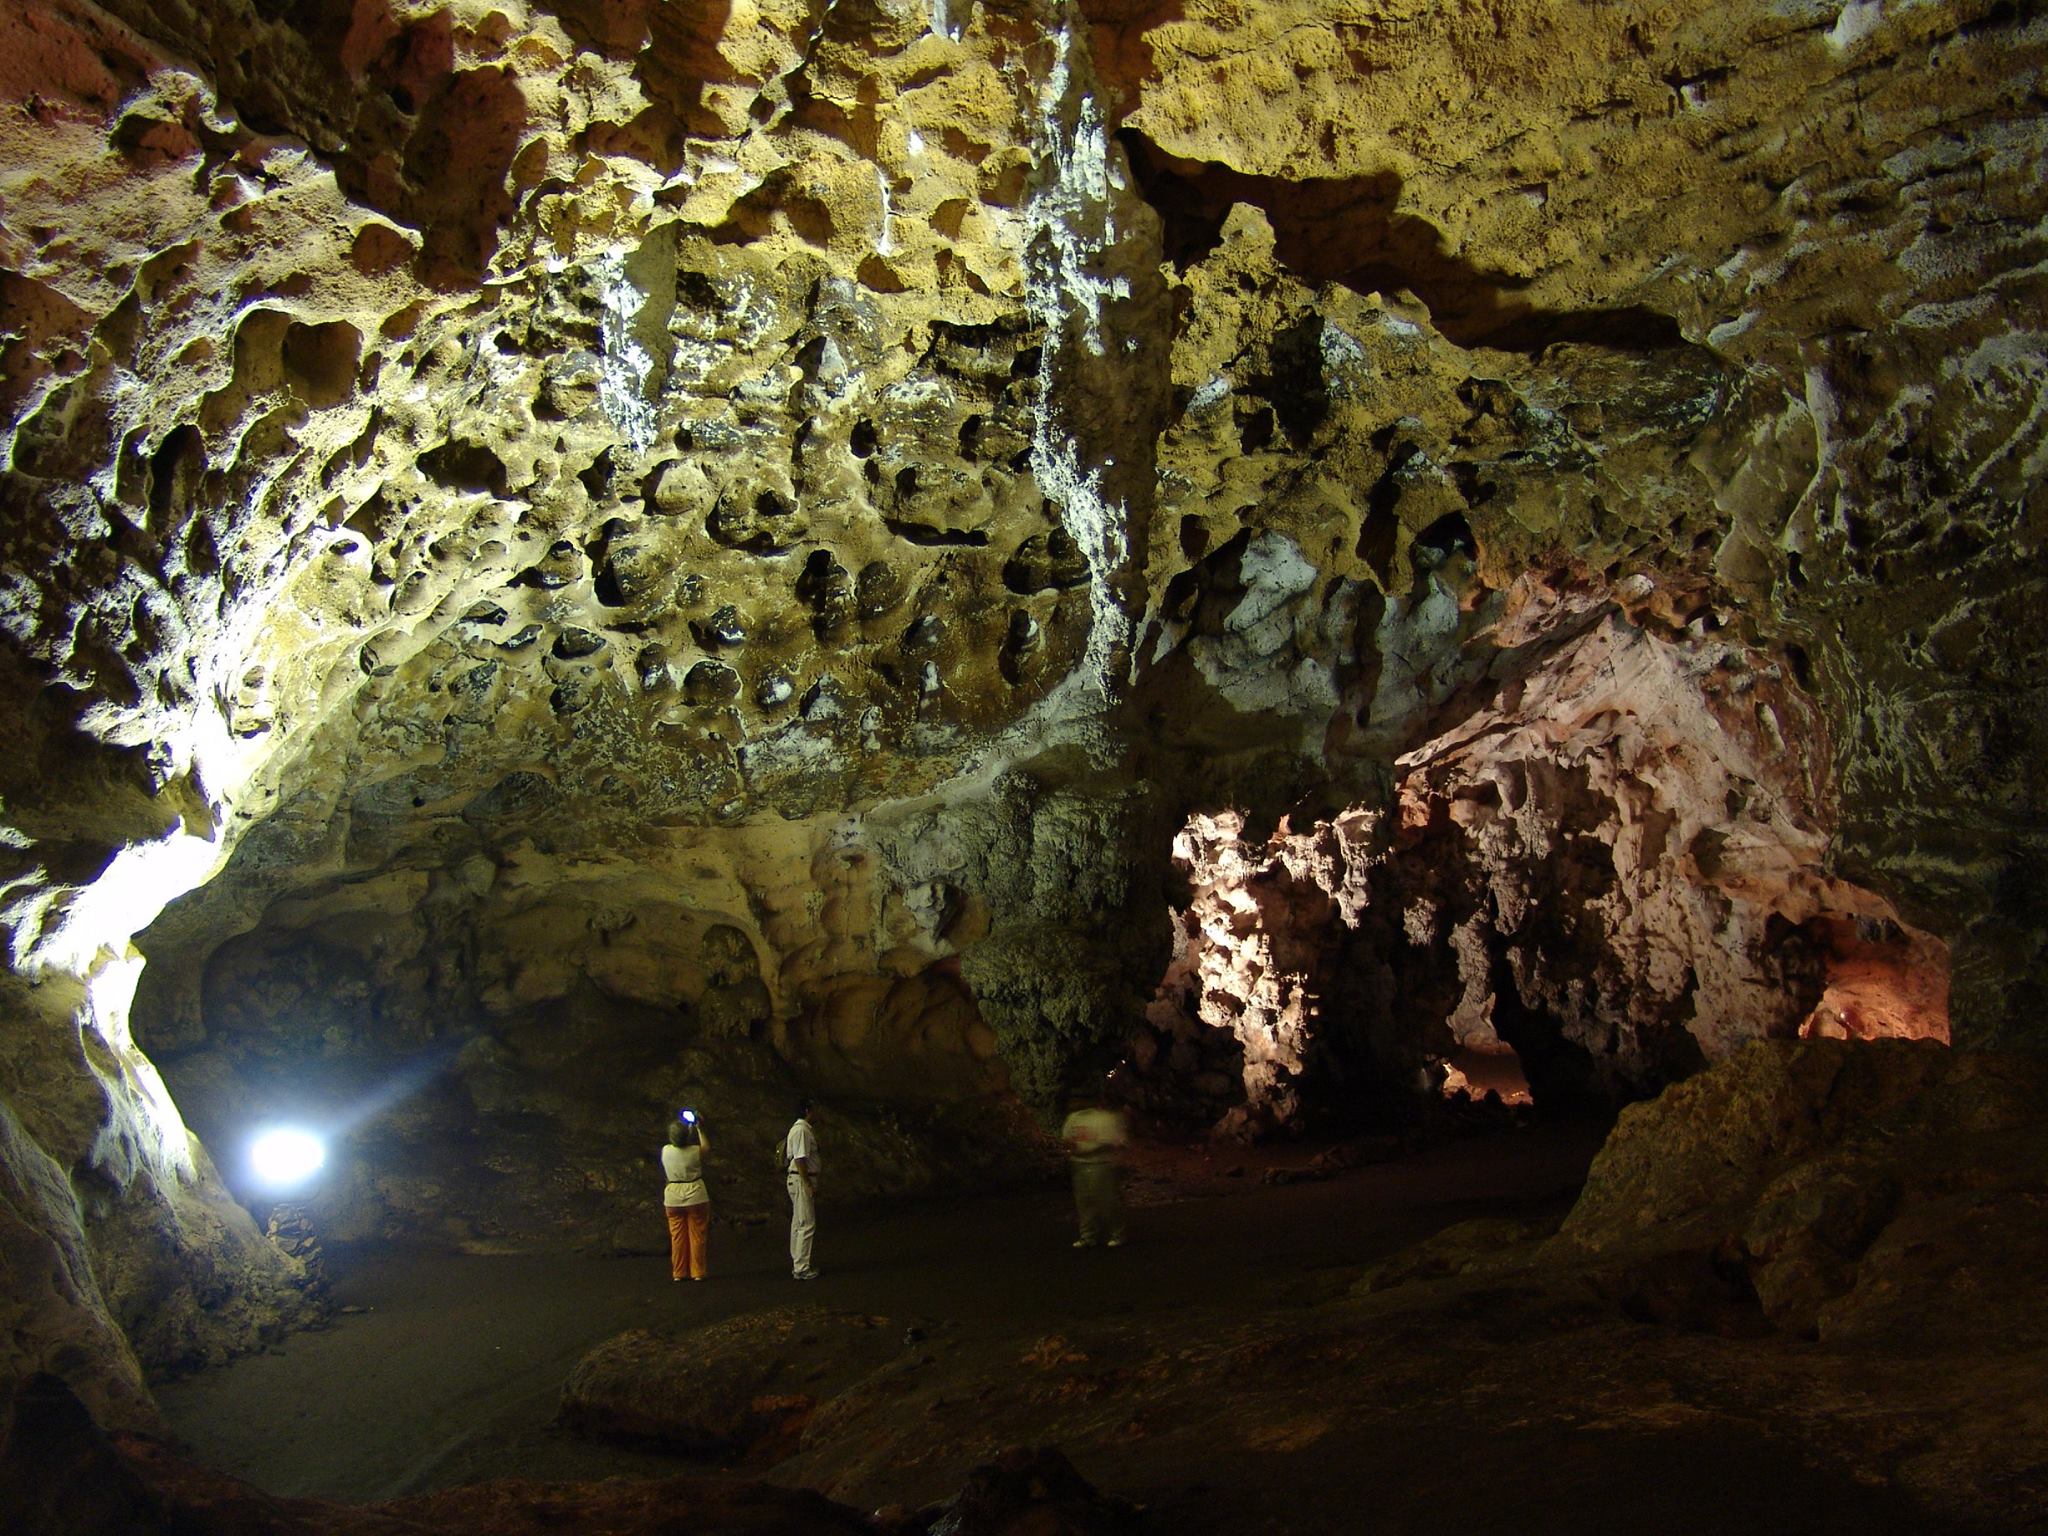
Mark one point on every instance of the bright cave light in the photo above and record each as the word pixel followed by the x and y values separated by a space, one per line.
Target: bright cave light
pixel 285 1156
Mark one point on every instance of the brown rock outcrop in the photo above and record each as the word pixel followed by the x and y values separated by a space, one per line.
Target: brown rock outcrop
pixel 1886 1195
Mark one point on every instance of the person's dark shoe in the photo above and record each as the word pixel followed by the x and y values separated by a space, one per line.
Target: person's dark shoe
pixel 1084 1242
pixel 1114 1242
pixel 805 1274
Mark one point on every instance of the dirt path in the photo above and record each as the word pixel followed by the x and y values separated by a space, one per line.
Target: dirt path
pixel 453 1369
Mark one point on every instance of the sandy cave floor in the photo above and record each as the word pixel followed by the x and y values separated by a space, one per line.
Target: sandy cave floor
pixel 452 1369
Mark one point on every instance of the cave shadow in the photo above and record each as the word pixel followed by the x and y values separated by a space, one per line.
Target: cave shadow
pixel 1347 231
pixel 1120 43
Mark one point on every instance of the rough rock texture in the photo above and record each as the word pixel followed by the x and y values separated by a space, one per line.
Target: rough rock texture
pixel 1815 1255
pixel 500 1071
pixel 120 1251
pixel 715 548
pixel 739 1389
pixel 64 1473
pixel 1812 205
pixel 1614 867
pixel 1890 1194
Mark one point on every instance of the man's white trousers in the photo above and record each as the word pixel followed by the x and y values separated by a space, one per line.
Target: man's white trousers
pixel 803 1224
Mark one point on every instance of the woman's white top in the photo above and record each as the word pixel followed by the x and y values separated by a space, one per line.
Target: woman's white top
pixel 685 1169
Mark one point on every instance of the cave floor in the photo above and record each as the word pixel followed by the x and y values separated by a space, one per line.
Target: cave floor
pixel 1216 1369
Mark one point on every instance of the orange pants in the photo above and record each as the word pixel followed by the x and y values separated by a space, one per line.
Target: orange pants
pixel 688 1228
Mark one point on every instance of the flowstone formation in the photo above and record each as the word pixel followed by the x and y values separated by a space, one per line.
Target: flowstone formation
pixel 563 558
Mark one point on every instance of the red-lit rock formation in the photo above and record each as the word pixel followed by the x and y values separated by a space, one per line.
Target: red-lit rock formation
pixel 1610 857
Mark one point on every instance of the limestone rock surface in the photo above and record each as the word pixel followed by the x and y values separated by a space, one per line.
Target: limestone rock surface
pixel 1611 869
pixel 1855 1185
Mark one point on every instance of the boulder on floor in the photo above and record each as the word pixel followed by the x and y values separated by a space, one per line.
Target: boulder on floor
pixel 1032 1492
pixel 743 1386
pixel 1862 1190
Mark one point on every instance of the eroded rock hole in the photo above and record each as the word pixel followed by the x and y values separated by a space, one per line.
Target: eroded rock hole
pixel 765 522
pixel 1449 535
pixel 174 473
pixel 574 644
pixel 1046 562
pixel 826 588
pixel 463 466
pixel 722 629
pixel 1381 946
pixel 710 682
pixel 320 361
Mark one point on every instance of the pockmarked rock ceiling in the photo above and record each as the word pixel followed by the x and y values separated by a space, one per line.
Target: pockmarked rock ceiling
pixel 622 550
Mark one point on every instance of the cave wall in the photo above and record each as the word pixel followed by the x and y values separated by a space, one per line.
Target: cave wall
pixel 1841 204
pixel 497 493
pixel 1612 866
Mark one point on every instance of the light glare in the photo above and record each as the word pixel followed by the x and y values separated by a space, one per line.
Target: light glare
pixel 286 1156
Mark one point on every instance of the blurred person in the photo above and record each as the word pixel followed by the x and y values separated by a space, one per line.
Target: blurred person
pixel 685 1199
pixel 1092 1132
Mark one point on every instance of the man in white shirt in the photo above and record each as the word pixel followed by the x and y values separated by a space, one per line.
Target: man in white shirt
pixel 800 1166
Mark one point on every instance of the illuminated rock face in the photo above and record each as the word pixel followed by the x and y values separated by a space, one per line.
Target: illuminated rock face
pixel 717 548
pixel 1610 862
